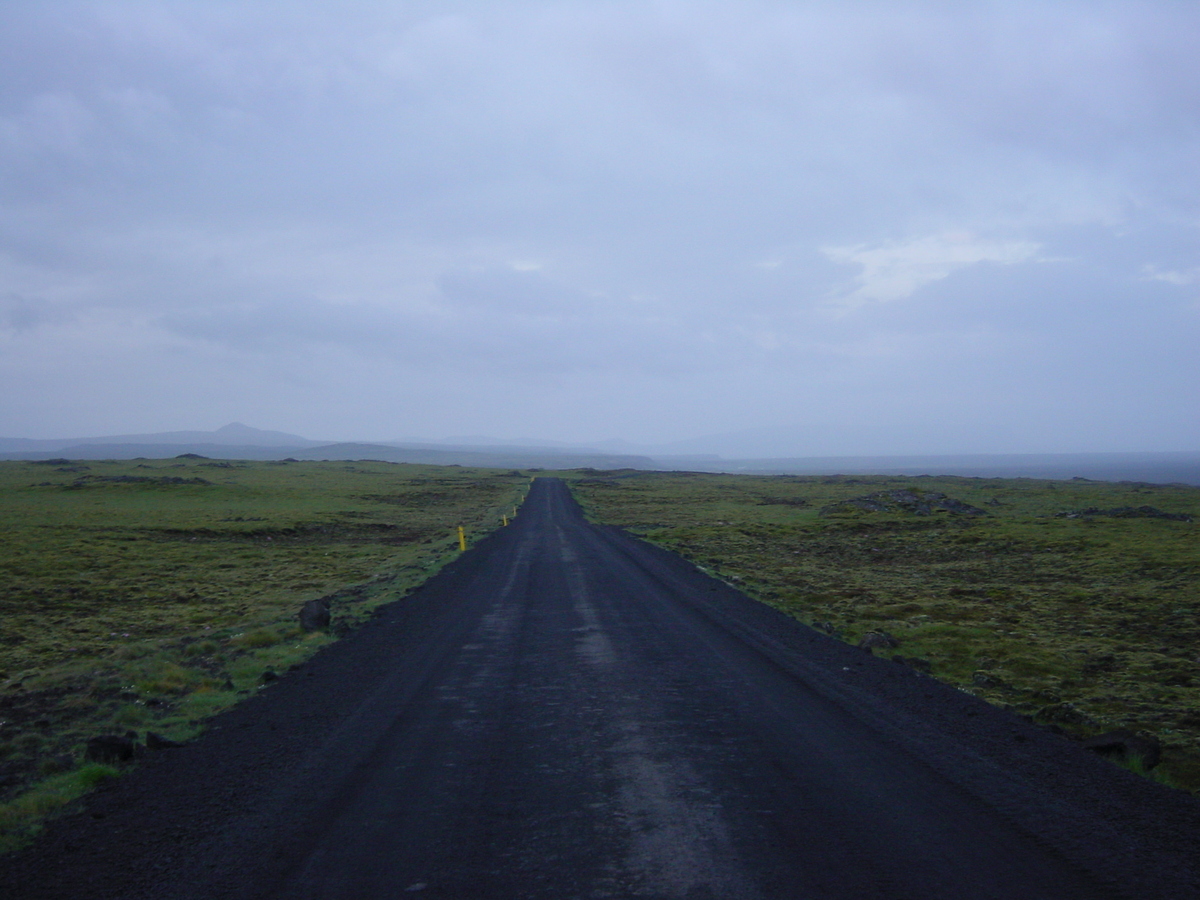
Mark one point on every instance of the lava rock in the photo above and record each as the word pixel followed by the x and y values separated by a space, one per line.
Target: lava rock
pixel 1062 714
pixel 1125 745
pixel 110 748
pixel 919 503
pixel 156 741
pixel 1125 512
pixel 880 639
pixel 55 765
pixel 314 615
pixel 987 679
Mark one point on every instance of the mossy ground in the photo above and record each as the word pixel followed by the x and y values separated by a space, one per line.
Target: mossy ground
pixel 146 595
pixel 1087 624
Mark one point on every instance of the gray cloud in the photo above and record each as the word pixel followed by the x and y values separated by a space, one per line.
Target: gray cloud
pixel 852 226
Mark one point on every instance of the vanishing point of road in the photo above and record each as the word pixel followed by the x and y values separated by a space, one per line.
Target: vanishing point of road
pixel 567 712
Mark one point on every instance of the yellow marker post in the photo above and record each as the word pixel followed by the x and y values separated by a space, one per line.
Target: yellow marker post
pixel 462 539
pixel 504 519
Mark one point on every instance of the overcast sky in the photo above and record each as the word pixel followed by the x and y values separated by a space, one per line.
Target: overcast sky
pixel 816 228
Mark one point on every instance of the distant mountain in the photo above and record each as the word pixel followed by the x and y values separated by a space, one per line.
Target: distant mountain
pixel 158 451
pixel 237 433
pixel 480 440
pixel 233 434
pixel 238 441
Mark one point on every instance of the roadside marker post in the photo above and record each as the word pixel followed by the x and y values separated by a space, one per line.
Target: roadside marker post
pixel 462 539
pixel 505 520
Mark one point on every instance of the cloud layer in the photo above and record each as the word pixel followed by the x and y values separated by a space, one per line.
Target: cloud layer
pixel 868 228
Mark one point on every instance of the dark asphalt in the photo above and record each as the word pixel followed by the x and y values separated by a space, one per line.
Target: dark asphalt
pixel 567 712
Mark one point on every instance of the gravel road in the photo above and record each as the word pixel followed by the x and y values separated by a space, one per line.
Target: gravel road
pixel 567 712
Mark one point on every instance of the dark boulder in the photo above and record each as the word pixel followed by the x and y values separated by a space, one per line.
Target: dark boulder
pixel 314 615
pixel 110 748
pixel 987 679
pixel 55 765
pixel 156 741
pixel 1125 512
pixel 1063 713
pixel 1124 745
pixel 877 639
pixel 914 502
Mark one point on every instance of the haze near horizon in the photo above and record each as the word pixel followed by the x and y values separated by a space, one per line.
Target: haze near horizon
pixel 797 229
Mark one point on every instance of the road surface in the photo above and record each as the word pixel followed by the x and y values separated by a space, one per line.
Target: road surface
pixel 566 712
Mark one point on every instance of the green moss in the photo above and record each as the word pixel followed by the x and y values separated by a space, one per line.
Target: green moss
pixel 201 648
pixel 149 604
pixel 21 817
pixel 1024 606
pixel 253 640
pixel 130 716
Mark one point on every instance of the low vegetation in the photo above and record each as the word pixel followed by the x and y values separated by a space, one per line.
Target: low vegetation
pixel 144 596
pixel 1076 603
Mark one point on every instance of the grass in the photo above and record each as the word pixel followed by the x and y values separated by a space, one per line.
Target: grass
pixel 19 817
pixel 147 595
pixel 1083 622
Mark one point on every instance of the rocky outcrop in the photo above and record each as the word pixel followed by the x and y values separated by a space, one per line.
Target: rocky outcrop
pixel 1125 512
pixel 91 480
pixel 314 615
pixel 110 748
pixel 877 640
pixel 1126 746
pixel 155 741
pixel 918 503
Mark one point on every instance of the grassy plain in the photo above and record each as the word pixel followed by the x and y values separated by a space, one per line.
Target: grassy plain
pixel 1086 622
pixel 146 595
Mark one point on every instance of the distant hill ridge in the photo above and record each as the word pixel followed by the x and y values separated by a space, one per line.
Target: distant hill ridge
pixel 235 433
pixel 238 441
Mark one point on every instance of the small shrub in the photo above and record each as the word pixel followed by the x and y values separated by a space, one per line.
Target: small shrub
pixel 165 677
pixel 129 652
pixel 130 715
pixel 254 640
pixel 55 765
pixel 28 743
pixel 201 648
pixel 1137 766
pixel 21 817
pixel 203 703
pixel 93 774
